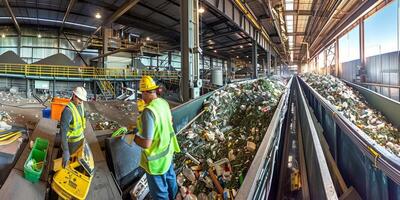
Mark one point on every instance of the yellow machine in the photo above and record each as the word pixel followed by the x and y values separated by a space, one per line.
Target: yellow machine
pixel 295 180
pixel 73 181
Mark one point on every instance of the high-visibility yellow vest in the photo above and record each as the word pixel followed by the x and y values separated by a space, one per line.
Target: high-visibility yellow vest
pixel 157 159
pixel 76 129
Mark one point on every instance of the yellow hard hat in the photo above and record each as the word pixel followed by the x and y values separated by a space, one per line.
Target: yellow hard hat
pixel 147 84
pixel 140 105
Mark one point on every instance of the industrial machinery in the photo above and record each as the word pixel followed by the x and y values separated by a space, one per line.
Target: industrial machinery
pixel 73 181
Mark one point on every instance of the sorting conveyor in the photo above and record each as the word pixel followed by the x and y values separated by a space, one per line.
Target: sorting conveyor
pixel 371 169
pixel 336 155
pixel 259 177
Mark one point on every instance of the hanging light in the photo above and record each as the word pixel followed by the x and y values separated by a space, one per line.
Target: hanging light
pixel 79 41
pixel 39 36
pixel 201 10
pixel 148 38
pixel 241 46
pixel 3 35
pixel 237 56
pixel 98 16
pixel 215 51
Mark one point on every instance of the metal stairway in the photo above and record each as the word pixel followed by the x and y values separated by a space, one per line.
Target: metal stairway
pixel 107 89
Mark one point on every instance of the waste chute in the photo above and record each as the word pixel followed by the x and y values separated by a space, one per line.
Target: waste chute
pixel 219 147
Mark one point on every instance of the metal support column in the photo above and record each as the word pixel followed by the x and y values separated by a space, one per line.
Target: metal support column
pixel 115 90
pixel 190 49
pixel 224 71
pixel 229 69
pixel 19 45
pixel 28 88
pixel 106 35
pixel 169 60
pixel 269 63
pixel 337 57
pixel 362 73
pixel 95 89
pixel 58 42
pixel 254 59
pixel 54 87
pixel 264 65
pixel 275 64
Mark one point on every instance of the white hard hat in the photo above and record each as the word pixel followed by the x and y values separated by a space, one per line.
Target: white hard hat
pixel 81 93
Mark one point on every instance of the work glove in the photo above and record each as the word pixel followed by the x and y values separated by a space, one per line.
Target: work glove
pixel 65 159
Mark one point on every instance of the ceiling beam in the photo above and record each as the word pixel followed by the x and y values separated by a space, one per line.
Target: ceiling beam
pixel 229 46
pixel 126 6
pixel 296 34
pixel 14 19
pixel 298 12
pixel 217 35
pixel 69 8
pixel 158 12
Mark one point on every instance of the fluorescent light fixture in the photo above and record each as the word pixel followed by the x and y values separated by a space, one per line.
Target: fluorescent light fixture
pixel 50 20
pixel 201 10
pixel 98 16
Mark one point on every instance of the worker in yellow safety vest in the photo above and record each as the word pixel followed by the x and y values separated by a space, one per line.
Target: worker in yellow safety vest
pixel 73 124
pixel 156 136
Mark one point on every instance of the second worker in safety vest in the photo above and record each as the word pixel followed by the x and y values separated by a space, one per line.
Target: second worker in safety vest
pixel 73 124
pixel 156 136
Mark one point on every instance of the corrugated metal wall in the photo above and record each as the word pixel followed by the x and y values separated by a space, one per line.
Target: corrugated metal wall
pixel 348 70
pixel 384 69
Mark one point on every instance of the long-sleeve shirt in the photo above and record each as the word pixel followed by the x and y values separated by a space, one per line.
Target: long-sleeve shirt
pixel 66 120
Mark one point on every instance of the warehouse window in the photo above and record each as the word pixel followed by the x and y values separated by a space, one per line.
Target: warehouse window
pixel 381 50
pixel 383 39
pixel 349 46
pixel 349 54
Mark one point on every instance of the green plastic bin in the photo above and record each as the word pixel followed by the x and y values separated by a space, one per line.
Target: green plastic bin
pixel 37 155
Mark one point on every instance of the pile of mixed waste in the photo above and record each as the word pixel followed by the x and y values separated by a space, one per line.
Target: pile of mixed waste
pixel 219 147
pixel 354 107
pixel 127 108
pixel 102 123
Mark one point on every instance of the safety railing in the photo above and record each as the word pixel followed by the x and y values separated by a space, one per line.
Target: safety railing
pixel 81 72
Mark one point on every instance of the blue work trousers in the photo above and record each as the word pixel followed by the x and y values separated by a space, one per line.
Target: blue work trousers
pixel 163 187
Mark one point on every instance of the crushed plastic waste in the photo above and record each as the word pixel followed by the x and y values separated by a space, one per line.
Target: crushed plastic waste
pixel 102 123
pixel 225 139
pixel 354 107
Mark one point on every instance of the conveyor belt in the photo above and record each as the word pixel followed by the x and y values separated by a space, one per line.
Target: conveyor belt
pixel 371 169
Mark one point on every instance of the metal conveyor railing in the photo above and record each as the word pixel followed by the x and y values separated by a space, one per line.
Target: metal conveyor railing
pixel 371 169
pixel 312 159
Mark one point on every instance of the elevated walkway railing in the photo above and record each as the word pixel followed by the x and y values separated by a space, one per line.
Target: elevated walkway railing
pixel 28 70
